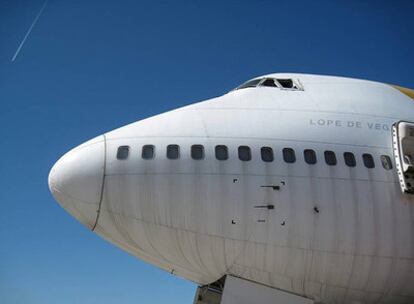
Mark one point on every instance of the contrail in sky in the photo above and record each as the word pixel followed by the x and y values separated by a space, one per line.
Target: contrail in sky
pixel 29 31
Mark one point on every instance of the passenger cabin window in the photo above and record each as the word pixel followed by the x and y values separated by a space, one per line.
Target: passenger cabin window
pixel 267 154
pixel 289 155
pixel 148 152
pixel 197 152
pixel 310 156
pixel 244 153
pixel 368 160
pixel 330 158
pixel 269 82
pixel 221 152
pixel 173 151
pixel 122 153
pixel 349 159
pixel 386 162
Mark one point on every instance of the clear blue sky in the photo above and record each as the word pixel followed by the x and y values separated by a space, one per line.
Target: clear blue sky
pixel 91 66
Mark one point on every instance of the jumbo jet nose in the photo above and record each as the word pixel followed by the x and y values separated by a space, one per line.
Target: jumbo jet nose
pixel 76 180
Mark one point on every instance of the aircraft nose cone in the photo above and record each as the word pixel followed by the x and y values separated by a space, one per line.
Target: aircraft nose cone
pixel 76 180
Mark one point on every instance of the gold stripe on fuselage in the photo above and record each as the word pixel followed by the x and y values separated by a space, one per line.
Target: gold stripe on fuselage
pixel 408 92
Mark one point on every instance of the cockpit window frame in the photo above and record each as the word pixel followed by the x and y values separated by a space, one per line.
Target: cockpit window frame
pixel 244 84
pixel 296 84
pixel 277 85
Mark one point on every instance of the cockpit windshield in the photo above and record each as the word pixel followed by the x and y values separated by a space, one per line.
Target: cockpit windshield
pixel 249 84
pixel 289 84
pixel 269 82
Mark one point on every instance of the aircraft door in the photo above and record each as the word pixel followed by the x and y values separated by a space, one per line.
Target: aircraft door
pixel 403 146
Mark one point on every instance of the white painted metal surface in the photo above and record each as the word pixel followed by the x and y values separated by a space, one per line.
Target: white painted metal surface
pixel 337 234
pixel 238 291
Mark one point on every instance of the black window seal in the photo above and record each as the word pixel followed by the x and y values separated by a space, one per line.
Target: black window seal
pixel 330 158
pixel 224 147
pixel 152 147
pixel 351 160
pixel 263 155
pixel 269 150
pixel 248 150
pixel 194 148
pixel 121 150
pixel 310 157
pixel 169 149
pixel 388 165
pixel 368 160
pixel 289 155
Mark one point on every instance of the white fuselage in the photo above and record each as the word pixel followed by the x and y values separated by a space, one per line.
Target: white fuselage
pixel 336 234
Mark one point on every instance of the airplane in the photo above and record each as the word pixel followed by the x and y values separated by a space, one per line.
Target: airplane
pixel 291 188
